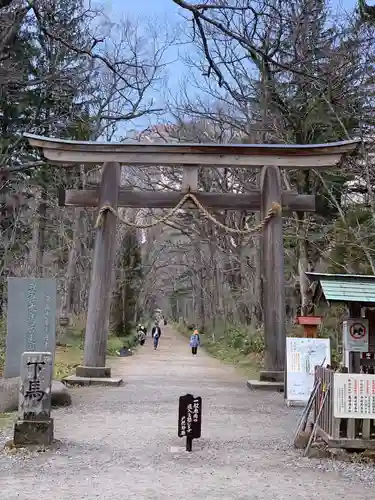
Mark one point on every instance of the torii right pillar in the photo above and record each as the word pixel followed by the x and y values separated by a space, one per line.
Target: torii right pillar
pixel 272 274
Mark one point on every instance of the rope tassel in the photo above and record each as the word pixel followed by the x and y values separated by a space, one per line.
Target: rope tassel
pixel 273 211
pixel 102 211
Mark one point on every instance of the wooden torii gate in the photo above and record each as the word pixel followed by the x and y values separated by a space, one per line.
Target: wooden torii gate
pixel 190 157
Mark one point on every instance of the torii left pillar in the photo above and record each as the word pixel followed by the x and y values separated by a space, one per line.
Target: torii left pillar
pixel 97 326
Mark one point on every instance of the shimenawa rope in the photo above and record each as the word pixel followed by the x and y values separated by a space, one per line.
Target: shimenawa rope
pixel 274 210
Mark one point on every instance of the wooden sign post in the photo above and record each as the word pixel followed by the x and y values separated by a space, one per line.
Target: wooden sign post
pixel 190 156
pixel 190 419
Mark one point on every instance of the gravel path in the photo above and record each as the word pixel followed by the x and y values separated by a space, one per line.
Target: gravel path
pixel 120 443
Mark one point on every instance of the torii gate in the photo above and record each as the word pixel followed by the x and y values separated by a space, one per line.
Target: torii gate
pixel 190 156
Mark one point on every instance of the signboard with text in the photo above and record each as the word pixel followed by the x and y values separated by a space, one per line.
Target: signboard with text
pixel 302 356
pixel 35 391
pixel 31 320
pixel 190 418
pixel 354 395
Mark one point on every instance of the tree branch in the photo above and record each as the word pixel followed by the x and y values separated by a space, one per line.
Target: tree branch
pixel 198 11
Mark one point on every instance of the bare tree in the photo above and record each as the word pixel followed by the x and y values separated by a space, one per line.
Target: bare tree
pixel 271 72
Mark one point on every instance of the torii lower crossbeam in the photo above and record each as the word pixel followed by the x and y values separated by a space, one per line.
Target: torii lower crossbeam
pixel 250 201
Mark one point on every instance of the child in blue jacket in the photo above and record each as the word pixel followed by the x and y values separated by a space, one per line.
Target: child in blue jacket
pixel 194 342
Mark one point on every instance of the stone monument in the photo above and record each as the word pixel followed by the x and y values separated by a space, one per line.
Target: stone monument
pixel 31 320
pixel 34 425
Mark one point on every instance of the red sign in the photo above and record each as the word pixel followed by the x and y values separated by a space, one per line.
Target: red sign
pixel 357 331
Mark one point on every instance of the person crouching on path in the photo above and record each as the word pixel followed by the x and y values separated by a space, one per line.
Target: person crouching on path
pixel 156 333
pixel 195 342
pixel 141 334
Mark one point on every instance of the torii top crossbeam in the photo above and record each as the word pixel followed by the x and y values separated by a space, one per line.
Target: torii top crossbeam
pixel 236 155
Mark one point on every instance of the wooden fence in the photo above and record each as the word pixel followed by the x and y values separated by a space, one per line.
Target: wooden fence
pixel 350 433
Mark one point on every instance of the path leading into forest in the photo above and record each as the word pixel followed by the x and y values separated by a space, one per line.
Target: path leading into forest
pixel 120 443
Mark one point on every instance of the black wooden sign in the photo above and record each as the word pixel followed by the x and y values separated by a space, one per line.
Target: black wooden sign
pixel 189 418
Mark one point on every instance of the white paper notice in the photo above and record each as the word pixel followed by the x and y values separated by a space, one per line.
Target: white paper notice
pixel 354 395
pixel 302 355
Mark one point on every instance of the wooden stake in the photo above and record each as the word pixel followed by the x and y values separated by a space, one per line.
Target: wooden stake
pixel 313 432
pixel 272 268
pixel 302 423
pixel 189 443
pixel 100 290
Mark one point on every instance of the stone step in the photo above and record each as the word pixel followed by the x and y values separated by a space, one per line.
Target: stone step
pixel 262 385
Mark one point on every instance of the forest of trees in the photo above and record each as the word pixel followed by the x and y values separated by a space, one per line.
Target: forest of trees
pixel 260 71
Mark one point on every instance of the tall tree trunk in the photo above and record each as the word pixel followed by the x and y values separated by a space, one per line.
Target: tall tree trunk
pixel 303 266
pixel 199 284
pixel 39 235
pixel 249 299
pixel 71 272
pixel 4 190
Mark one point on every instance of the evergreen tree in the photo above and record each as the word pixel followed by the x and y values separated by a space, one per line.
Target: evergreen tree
pixel 60 100
pixel 367 11
pixel 46 92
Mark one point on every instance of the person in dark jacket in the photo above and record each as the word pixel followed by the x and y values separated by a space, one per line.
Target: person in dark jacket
pixel 156 333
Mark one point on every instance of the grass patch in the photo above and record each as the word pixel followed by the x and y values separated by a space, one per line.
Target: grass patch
pixel 116 343
pixel 66 361
pixel 247 364
pixel 70 354
pixel 7 419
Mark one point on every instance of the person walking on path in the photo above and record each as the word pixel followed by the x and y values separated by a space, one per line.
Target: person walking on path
pixel 141 334
pixel 195 342
pixel 156 333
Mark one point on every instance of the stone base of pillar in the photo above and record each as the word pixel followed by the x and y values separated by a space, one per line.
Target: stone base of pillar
pixel 93 371
pixel 271 376
pixel 73 380
pixel 33 432
pixel 258 385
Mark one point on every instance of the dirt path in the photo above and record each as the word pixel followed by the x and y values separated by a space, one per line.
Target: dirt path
pixel 120 443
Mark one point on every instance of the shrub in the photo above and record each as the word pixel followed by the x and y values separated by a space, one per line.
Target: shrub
pixel 241 338
pixel 116 343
